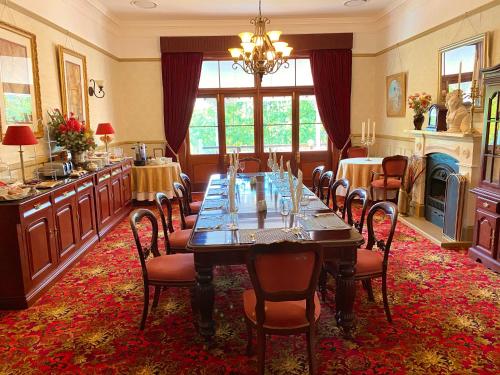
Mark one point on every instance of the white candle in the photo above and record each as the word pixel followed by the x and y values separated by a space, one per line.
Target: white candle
pixel 475 75
pixel 459 74
pixel 363 124
pixel 373 132
pixel 368 131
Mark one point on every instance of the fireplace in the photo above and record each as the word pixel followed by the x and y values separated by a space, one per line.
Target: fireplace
pixel 439 167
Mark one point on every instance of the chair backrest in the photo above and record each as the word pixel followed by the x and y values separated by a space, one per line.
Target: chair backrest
pixel 144 251
pixel 284 271
pixel 394 166
pixel 252 165
pixel 162 200
pixel 391 210
pixel 362 196
pixel 316 175
pixel 342 182
pixel 187 184
pixel 357 152
pixel 324 186
pixel 181 196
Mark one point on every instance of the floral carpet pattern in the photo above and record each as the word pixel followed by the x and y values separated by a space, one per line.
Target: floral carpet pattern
pixel 445 309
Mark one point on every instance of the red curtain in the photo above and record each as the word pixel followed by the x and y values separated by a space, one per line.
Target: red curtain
pixel 181 76
pixel 332 71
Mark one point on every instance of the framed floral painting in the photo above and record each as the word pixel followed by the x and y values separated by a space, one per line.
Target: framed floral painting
pixel 73 81
pixel 396 95
pixel 20 102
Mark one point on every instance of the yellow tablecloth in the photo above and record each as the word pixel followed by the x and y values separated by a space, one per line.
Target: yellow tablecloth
pixel 150 179
pixel 358 172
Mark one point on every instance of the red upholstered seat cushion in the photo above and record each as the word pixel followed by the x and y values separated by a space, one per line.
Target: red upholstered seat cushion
pixel 392 183
pixel 190 220
pixel 284 315
pixel 179 238
pixel 175 267
pixel 369 261
pixel 195 206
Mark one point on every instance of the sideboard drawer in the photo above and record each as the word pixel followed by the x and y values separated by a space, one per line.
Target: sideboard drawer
pixel 488 205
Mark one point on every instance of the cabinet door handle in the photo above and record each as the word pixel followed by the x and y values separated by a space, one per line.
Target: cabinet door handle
pixel 37 206
pixel 485 205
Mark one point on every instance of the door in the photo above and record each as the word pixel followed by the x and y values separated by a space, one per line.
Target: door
pixel 116 191
pixel 486 232
pixel 66 222
pixel 85 211
pixel 104 200
pixel 38 231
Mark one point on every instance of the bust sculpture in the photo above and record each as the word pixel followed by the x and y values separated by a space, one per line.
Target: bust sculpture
pixel 458 116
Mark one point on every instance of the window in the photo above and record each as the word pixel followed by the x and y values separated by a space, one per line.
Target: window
pixel 239 119
pixel 312 134
pixel 298 73
pixel 277 115
pixel 203 130
pixel 221 74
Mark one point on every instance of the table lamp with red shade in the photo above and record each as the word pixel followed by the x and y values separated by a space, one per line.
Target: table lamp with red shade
pixel 19 135
pixel 105 129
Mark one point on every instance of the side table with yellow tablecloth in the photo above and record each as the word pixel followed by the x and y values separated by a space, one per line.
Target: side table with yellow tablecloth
pixel 150 179
pixel 358 172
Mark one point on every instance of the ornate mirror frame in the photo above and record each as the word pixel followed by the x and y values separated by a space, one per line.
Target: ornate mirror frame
pixel 37 118
pixel 484 61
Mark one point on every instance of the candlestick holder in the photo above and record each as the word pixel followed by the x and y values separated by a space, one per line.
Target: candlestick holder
pixel 367 142
pixel 474 95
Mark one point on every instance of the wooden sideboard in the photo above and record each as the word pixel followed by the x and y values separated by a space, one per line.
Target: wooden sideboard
pixel 41 236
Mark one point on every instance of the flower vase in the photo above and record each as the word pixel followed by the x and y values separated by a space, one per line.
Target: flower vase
pixel 404 203
pixel 418 121
pixel 79 157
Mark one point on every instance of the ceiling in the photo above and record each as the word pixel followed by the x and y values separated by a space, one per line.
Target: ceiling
pixel 182 9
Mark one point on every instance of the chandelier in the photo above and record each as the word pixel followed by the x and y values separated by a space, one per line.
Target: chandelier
pixel 261 52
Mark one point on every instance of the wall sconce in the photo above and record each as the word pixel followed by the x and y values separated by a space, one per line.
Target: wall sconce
pixel 99 92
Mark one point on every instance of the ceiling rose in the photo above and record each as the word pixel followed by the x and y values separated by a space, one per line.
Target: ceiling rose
pixel 354 3
pixel 144 4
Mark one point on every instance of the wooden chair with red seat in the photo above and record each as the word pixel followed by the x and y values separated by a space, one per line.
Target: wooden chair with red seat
pixel 357 152
pixel 284 300
pixel 193 207
pixel 342 182
pixel 175 241
pixel 324 186
pixel 252 165
pixel 316 175
pixel 394 168
pixel 187 221
pixel 372 263
pixel 361 196
pixel 160 271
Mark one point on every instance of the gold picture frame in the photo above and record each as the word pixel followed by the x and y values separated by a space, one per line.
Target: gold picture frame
pixel 395 94
pixel 73 83
pixel 20 99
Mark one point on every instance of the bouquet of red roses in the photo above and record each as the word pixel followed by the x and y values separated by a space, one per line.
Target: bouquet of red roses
pixel 70 133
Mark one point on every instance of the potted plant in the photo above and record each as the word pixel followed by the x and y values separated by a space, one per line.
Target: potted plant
pixel 414 171
pixel 71 134
pixel 420 104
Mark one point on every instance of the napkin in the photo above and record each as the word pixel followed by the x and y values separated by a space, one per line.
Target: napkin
pixel 282 173
pixel 231 160
pixel 298 190
pixel 275 158
pixel 232 189
pixel 293 196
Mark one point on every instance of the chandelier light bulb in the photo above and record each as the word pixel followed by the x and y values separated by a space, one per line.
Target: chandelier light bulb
pixel 287 51
pixel 280 46
pixel 246 37
pixel 235 52
pixel 248 47
pixel 259 41
pixel 270 55
pixel 274 35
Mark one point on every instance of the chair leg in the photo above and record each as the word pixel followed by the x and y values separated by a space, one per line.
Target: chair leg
pixel 156 297
pixel 323 278
pixel 146 306
pixel 337 301
pixel 249 350
pixel 367 285
pixel 386 300
pixel 311 341
pixel 261 351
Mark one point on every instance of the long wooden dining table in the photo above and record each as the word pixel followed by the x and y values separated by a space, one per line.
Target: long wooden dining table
pixel 220 238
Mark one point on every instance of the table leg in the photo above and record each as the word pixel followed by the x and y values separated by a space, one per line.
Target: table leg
pixel 346 292
pixel 205 295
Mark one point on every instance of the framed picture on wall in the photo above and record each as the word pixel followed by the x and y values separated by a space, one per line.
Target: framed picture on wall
pixel 396 95
pixel 73 81
pixel 20 102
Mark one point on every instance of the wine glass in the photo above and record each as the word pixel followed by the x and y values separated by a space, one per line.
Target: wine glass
pixel 304 202
pixel 284 209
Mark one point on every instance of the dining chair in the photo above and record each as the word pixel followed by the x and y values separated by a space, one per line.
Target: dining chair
pixel 160 271
pixel 283 300
pixel 175 241
pixel 252 165
pixel 324 186
pixel 360 195
pixel 357 152
pixel 193 206
pixel 334 186
pixel 372 261
pixel 181 195
pixel 316 175
pixel 394 168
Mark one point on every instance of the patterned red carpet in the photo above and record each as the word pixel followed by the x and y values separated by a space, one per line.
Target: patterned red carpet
pixel 445 309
